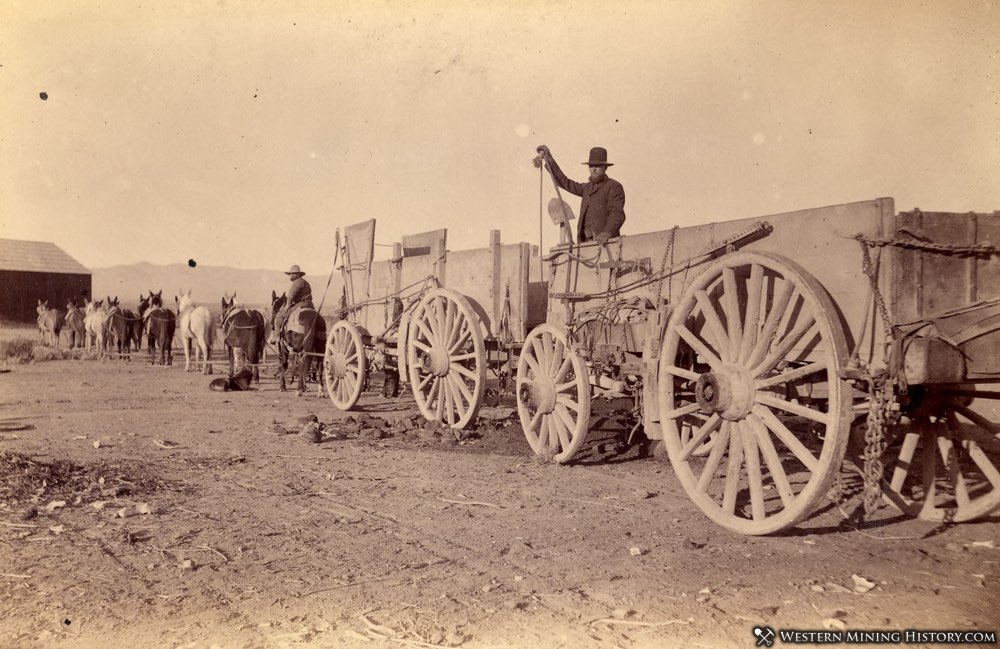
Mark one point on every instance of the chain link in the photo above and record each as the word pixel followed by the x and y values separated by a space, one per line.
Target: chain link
pixel 879 407
pixel 981 249
pixel 667 254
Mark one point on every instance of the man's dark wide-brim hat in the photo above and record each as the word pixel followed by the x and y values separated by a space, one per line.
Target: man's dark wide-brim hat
pixel 598 158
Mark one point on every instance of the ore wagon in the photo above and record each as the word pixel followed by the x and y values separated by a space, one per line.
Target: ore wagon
pixel 441 322
pixel 764 351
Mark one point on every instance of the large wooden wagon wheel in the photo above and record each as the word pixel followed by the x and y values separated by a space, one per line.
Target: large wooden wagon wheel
pixel 943 465
pixel 446 358
pixel 750 363
pixel 553 394
pixel 344 365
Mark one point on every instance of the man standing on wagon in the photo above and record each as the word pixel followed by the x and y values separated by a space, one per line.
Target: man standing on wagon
pixel 602 210
pixel 299 294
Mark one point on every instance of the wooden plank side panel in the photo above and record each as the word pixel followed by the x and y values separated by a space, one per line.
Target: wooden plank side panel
pixel 819 239
pixel 946 278
pixel 988 267
pixel 470 273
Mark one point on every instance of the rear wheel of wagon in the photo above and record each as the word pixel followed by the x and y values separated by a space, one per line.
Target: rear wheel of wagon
pixel 446 358
pixel 944 465
pixel 553 394
pixel 344 365
pixel 750 365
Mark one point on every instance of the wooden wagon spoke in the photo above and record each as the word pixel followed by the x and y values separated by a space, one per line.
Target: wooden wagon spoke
pixel 980 421
pixel 423 383
pixel 568 402
pixel 698 438
pixel 733 472
pixel 566 386
pixel 714 324
pixel 904 461
pixel 680 372
pixel 791 375
pixel 985 464
pixel 929 473
pixel 954 472
pixel 545 353
pixel 563 413
pixel 772 460
pixel 714 458
pixel 536 420
pixel 463 370
pixel 755 479
pixel 751 326
pixel 731 307
pixel 461 387
pixel 563 423
pixel 564 368
pixel 699 347
pixel 422 327
pixel 784 346
pixel 465 335
pixel 530 361
pixel 770 328
pixel 787 437
pixel 683 410
pixel 796 409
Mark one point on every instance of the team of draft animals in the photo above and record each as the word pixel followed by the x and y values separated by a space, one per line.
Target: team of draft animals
pixel 104 326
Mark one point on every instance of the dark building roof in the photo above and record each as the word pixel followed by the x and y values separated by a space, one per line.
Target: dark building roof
pixel 37 257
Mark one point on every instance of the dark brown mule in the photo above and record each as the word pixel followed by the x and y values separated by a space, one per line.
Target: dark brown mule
pixel 118 328
pixel 305 332
pixel 49 323
pixel 137 324
pixel 160 325
pixel 242 329
pixel 74 323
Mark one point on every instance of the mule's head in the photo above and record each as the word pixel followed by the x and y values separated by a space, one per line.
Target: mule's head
pixel 184 302
pixel 277 303
pixel 41 306
pixel 156 299
pixel 143 305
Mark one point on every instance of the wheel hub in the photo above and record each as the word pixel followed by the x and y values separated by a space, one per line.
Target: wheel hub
pixel 338 366
pixel 728 393
pixel 540 396
pixel 436 362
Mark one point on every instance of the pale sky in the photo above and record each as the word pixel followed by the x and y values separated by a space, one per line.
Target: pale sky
pixel 244 134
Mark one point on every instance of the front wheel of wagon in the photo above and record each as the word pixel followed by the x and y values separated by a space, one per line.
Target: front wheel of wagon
pixel 553 394
pixel 344 365
pixel 944 463
pixel 750 364
pixel 446 358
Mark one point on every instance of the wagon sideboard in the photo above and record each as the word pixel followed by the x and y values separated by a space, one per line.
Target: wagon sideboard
pixel 914 282
pixel 500 281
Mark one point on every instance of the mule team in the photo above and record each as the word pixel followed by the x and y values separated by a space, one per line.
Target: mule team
pixel 106 327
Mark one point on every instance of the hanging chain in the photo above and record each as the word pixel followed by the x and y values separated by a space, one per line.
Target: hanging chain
pixel 668 254
pixel 880 399
pixel 879 409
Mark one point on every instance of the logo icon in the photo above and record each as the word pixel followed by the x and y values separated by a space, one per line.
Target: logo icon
pixel 765 636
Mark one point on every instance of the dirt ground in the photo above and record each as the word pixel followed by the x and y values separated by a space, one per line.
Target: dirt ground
pixel 140 509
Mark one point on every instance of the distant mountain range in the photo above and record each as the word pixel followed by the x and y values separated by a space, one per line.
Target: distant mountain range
pixel 207 283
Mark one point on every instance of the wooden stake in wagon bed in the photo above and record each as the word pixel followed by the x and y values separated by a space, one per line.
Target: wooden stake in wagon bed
pixel 752 348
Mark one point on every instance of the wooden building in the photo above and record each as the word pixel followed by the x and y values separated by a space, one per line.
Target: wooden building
pixel 38 270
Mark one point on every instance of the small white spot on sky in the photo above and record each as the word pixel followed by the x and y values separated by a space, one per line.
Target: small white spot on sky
pixel 522 130
pixel 758 138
